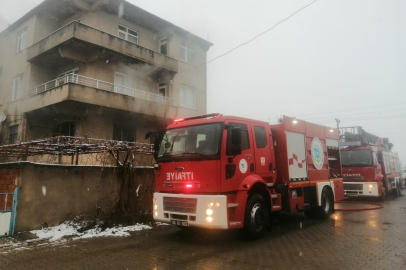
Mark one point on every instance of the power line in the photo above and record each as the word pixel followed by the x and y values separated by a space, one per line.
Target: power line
pixel 245 43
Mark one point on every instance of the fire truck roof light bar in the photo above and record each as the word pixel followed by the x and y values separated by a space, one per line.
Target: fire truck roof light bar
pixel 212 115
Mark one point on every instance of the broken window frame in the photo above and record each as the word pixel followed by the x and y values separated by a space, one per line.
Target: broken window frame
pixel 163 42
pixel 163 86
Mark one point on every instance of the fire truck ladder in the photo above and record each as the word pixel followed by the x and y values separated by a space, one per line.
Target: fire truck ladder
pixel 357 136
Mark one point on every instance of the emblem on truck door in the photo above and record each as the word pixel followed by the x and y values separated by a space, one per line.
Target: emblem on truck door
pixel 243 166
pixel 317 153
pixel 179 168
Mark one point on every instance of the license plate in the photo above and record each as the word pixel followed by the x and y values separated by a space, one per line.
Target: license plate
pixel 179 223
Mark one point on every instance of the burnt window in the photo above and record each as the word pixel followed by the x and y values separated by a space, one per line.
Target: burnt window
pixel 125 134
pixel 162 89
pixel 13 134
pixel 64 129
pixel 163 46
pixel 260 137
pixel 245 143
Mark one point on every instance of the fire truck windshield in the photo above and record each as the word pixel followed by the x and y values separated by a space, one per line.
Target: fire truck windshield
pixel 192 142
pixel 356 158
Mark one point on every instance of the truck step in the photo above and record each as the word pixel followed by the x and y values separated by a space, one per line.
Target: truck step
pixel 276 207
pixel 274 196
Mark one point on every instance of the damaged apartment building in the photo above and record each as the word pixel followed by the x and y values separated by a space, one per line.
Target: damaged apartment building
pixel 98 69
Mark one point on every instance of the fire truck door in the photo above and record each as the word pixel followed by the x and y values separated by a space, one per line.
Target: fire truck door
pixel 235 169
pixel 263 149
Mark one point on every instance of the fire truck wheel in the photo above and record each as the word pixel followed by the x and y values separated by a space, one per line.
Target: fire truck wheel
pixel 256 217
pixel 326 207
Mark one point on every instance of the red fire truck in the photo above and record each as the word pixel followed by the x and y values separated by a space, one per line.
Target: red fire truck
pixel 225 172
pixel 369 167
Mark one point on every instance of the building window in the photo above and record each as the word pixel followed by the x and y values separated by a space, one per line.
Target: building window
pixel 162 89
pixel 125 134
pixel 187 97
pixel 17 87
pixel 124 84
pixel 22 40
pixel 13 131
pixel 163 46
pixel 187 53
pixel 128 34
pixel 64 129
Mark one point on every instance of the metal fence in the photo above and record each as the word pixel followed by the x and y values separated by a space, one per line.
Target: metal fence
pixel 98 84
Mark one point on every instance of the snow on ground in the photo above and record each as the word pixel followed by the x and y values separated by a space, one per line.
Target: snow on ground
pixel 69 229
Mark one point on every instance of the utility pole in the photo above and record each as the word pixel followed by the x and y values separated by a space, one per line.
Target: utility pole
pixel 338 123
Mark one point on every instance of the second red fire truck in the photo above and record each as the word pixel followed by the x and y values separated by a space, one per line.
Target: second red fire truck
pixel 226 172
pixel 369 167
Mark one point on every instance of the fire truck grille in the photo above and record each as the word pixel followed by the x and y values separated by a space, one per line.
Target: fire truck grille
pixel 180 205
pixel 353 186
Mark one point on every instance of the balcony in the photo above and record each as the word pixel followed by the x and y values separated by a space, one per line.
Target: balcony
pixel 80 42
pixel 85 90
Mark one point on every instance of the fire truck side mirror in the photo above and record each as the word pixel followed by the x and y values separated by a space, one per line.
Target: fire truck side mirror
pixel 236 136
pixel 236 141
pixel 156 147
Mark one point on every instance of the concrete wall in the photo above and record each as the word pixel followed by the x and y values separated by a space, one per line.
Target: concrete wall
pixel 53 194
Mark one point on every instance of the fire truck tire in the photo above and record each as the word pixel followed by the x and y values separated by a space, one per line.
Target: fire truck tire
pixel 256 217
pixel 324 211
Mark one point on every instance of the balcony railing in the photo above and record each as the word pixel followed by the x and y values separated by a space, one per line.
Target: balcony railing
pixel 98 84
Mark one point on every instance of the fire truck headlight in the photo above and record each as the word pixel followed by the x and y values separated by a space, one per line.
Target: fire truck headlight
pixel 209 212
pixel 155 207
pixel 156 213
pixel 210 204
pixel 371 186
pixel 209 219
pixel 217 204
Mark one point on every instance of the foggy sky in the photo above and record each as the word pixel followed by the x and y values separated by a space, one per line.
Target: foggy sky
pixel 342 59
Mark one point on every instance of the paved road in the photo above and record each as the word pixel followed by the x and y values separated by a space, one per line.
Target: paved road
pixel 349 240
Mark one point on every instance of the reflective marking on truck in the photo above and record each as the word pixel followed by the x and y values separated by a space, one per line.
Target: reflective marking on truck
pixel 179 176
